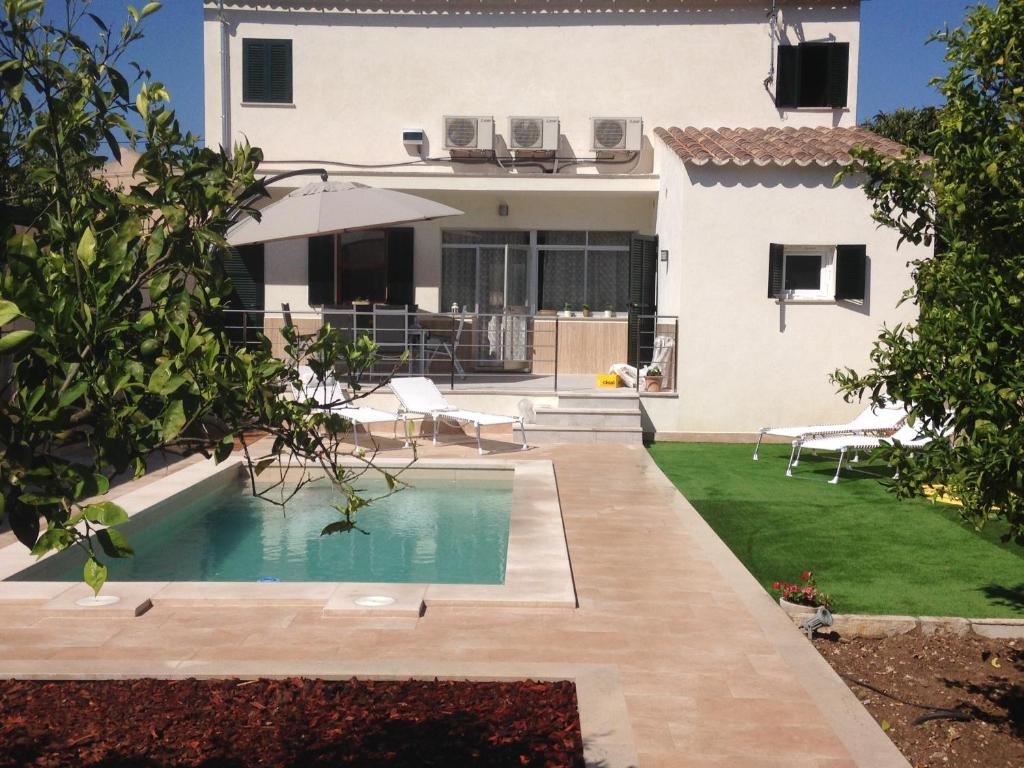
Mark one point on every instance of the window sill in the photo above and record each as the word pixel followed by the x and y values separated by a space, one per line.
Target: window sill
pixel 806 300
pixel 824 110
pixel 276 104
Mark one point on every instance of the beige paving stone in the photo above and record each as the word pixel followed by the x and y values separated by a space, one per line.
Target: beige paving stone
pixel 701 661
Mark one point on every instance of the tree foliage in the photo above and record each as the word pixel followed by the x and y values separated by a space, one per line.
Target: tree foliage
pixel 915 127
pixel 964 355
pixel 111 300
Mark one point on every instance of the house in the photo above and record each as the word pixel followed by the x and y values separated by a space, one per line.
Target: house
pixel 677 155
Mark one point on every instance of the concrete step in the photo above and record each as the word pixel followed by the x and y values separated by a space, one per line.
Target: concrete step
pixel 628 399
pixel 594 418
pixel 537 434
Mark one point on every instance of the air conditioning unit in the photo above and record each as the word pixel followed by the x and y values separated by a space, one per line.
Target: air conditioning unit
pixel 468 133
pixel 538 134
pixel 616 134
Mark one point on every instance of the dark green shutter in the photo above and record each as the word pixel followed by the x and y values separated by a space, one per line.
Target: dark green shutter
pixel 776 269
pixel 401 289
pixel 838 74
pixel 851 272
pixel 267 71
pixel 321 270
pixel 254 71
pixel 643 298
pixel 787 77
pixel 280 55
pixel 244 268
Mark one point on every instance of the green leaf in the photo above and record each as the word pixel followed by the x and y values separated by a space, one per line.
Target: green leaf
pixel 114 543
pixel 87 247
pixel 264 464
pixel 94 574
pixel 10 342
pixel 8 311
pixel 54 538
pixel 158 285
pixel 105 513
pixel 223 449
pixel 72 393
pixel 149 8
pixel 174 420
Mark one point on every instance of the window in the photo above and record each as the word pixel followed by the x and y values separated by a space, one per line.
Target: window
pixel 367 265
pixel 813 75
pixel 580 268
pixel 817 272
pixel 485 271
pixel 267 71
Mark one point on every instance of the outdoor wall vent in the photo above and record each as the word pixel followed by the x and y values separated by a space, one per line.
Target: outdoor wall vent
pixel 463 133
pixel 537 134
pixel 616 134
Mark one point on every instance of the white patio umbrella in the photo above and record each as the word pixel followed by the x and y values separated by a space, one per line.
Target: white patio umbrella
pixel 326 207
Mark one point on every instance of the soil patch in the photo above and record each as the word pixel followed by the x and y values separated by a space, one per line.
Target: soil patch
pixel 966 695
pixel 294 722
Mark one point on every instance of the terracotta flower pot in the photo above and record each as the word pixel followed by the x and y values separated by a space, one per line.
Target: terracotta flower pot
pixel 653 384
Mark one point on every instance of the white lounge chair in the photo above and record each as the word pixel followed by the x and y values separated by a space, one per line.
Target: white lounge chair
pixel 872 420
pixel 330 395
pixel 662 355
pixel 907 436
pixel 419 396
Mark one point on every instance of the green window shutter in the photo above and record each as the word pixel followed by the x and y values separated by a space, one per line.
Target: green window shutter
pixel 255 73
pixel 776 270
pixel 321 270
pixel 838 74
pixel 280 86
pixel 244 268
pixel 787 77
pixel 643 298
pixel 401 288
pixel 267 71
pixel 851 272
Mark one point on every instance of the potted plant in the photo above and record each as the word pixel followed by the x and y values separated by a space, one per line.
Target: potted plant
pixel 586 310
pixel 803 597
pixel 652 380
pixel 609 310
pixel 567 310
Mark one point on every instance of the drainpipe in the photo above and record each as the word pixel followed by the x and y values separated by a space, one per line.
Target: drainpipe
pixel 225 81
pixel 773 26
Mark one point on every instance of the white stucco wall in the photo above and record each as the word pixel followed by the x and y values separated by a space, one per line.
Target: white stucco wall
pixel 746 360
pixel 361 78
pixel 286 262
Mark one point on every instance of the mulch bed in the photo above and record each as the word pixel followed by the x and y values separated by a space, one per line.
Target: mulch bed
pixel 979 682
pixel 294 722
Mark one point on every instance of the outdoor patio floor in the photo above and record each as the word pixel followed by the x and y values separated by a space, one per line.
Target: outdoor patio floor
pixel 710 671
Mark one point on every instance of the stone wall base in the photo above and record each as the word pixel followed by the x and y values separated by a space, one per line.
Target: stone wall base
pixel 867 625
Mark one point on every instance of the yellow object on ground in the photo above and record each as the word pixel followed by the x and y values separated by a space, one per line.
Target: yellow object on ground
pixel 938 493
pixel 608 381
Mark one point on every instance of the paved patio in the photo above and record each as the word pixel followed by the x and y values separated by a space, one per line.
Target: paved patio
pixel 677 651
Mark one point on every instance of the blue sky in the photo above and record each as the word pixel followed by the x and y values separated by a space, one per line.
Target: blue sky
pixel 895 63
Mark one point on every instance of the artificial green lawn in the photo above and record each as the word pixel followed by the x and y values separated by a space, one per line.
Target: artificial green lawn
pixel 871 552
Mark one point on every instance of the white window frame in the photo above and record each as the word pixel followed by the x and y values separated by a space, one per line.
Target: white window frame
pixel 827 283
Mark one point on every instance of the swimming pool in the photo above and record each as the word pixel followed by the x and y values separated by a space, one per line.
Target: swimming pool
pixel 440 530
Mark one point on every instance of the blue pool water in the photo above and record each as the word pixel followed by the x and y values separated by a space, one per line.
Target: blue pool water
pixel 437 531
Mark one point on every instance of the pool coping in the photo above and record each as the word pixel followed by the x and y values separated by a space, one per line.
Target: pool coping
pixel 537 572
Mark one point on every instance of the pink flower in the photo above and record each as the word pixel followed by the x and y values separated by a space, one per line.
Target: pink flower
pixel 806 575
pixel 775 585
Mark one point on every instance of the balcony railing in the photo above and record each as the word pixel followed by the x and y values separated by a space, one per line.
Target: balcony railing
pixel 540 352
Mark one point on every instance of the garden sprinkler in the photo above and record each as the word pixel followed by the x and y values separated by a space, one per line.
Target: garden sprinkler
pixel 821 618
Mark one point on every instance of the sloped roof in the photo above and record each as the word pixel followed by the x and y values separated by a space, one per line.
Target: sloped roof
pixel 504 6
pixel 773 146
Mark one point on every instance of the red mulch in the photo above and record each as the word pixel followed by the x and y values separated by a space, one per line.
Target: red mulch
pixel 904 678
pixel 294 722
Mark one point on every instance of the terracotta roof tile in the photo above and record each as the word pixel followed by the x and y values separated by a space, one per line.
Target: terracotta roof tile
pixel 778 146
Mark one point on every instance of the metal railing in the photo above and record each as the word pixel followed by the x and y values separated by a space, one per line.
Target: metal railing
pixel 465 350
